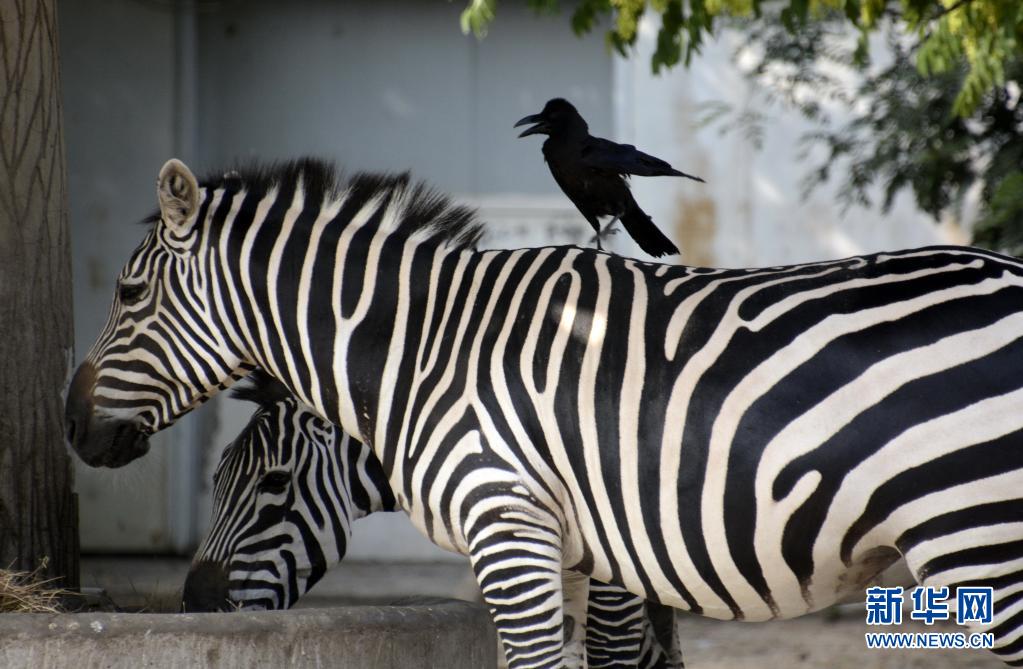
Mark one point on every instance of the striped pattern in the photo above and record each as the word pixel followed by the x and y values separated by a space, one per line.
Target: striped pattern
pixel 285 494
pixel 621 627
pixel 744 444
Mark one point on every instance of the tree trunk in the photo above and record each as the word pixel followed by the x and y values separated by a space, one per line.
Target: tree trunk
pixel 38 514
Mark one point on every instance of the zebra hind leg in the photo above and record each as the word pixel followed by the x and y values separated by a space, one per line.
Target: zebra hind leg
pixel 1007 609
pixel 967 562
pixel 614 629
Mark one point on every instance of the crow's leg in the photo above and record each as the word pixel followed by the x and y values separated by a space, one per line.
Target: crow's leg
pixel 608 230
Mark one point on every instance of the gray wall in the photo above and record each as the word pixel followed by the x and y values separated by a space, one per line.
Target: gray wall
pixel 392 86
pixel 121 122
pixel 386 85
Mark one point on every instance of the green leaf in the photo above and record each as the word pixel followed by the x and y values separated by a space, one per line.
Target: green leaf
pixel 983 34
pixel 477 16
pixel 1000 226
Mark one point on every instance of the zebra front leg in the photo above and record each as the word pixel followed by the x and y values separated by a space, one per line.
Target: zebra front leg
pixel 518 567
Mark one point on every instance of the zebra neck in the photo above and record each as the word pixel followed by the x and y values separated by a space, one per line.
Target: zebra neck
pixel 339 317
pixel 444 304
pixel 385 317
pixel 365 478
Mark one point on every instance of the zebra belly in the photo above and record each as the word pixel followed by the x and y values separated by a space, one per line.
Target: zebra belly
pixel 646 574
pixel 432 526
pixel 848 583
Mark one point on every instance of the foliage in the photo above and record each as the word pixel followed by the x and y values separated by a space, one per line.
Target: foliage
pixel 889 127
pixel 939 117
pixel 980 35
pixel 1002 226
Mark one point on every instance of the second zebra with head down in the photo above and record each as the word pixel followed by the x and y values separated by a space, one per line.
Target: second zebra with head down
pixel 285 495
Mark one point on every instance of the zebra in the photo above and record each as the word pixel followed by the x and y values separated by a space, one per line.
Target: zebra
pixel 286 492
pixel 744 444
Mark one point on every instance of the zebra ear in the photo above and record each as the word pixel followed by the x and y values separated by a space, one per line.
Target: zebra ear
pixel 178 192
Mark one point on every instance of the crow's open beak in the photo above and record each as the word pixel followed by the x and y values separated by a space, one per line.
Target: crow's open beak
pixel 540 128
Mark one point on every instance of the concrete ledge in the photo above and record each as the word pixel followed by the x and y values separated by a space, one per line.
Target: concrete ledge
pixel 441 633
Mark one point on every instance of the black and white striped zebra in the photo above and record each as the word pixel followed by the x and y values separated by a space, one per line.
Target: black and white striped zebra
pixel 744 444
pixel 286 492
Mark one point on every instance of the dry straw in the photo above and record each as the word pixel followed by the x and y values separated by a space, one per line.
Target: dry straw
pixel 28 592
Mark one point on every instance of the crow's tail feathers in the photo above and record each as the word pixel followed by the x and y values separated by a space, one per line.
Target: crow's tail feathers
pixel 641 228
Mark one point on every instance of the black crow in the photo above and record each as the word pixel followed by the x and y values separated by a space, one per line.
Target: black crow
pixel 592 172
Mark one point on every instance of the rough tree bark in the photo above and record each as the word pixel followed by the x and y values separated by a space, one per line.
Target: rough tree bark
pixel 38 515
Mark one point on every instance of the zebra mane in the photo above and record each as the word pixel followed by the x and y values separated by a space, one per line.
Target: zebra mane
pixel 262 389
pixel 423 210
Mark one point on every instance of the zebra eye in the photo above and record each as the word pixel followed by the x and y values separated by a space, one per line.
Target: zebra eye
pixel 130 293
pixel 274 482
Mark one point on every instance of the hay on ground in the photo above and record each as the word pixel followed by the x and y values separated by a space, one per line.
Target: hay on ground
pixel 28 592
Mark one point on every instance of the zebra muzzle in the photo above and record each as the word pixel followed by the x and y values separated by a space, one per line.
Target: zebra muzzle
pixel 99 441
pixel 206 589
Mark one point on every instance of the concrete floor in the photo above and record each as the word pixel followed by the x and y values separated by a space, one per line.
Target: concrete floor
pixel 831 640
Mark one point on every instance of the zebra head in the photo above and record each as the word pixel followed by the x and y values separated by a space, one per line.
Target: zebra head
pixel 275 267
pixel 160 353
pixel 285 494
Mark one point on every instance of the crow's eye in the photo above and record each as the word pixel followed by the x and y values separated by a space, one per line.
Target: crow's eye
pixel 274 482
pixel 130 293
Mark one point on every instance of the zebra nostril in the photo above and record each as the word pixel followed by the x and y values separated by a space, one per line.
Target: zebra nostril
pixel 78 405
pixel 206 588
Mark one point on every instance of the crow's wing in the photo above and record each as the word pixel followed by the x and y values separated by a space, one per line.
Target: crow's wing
pixel 602 154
